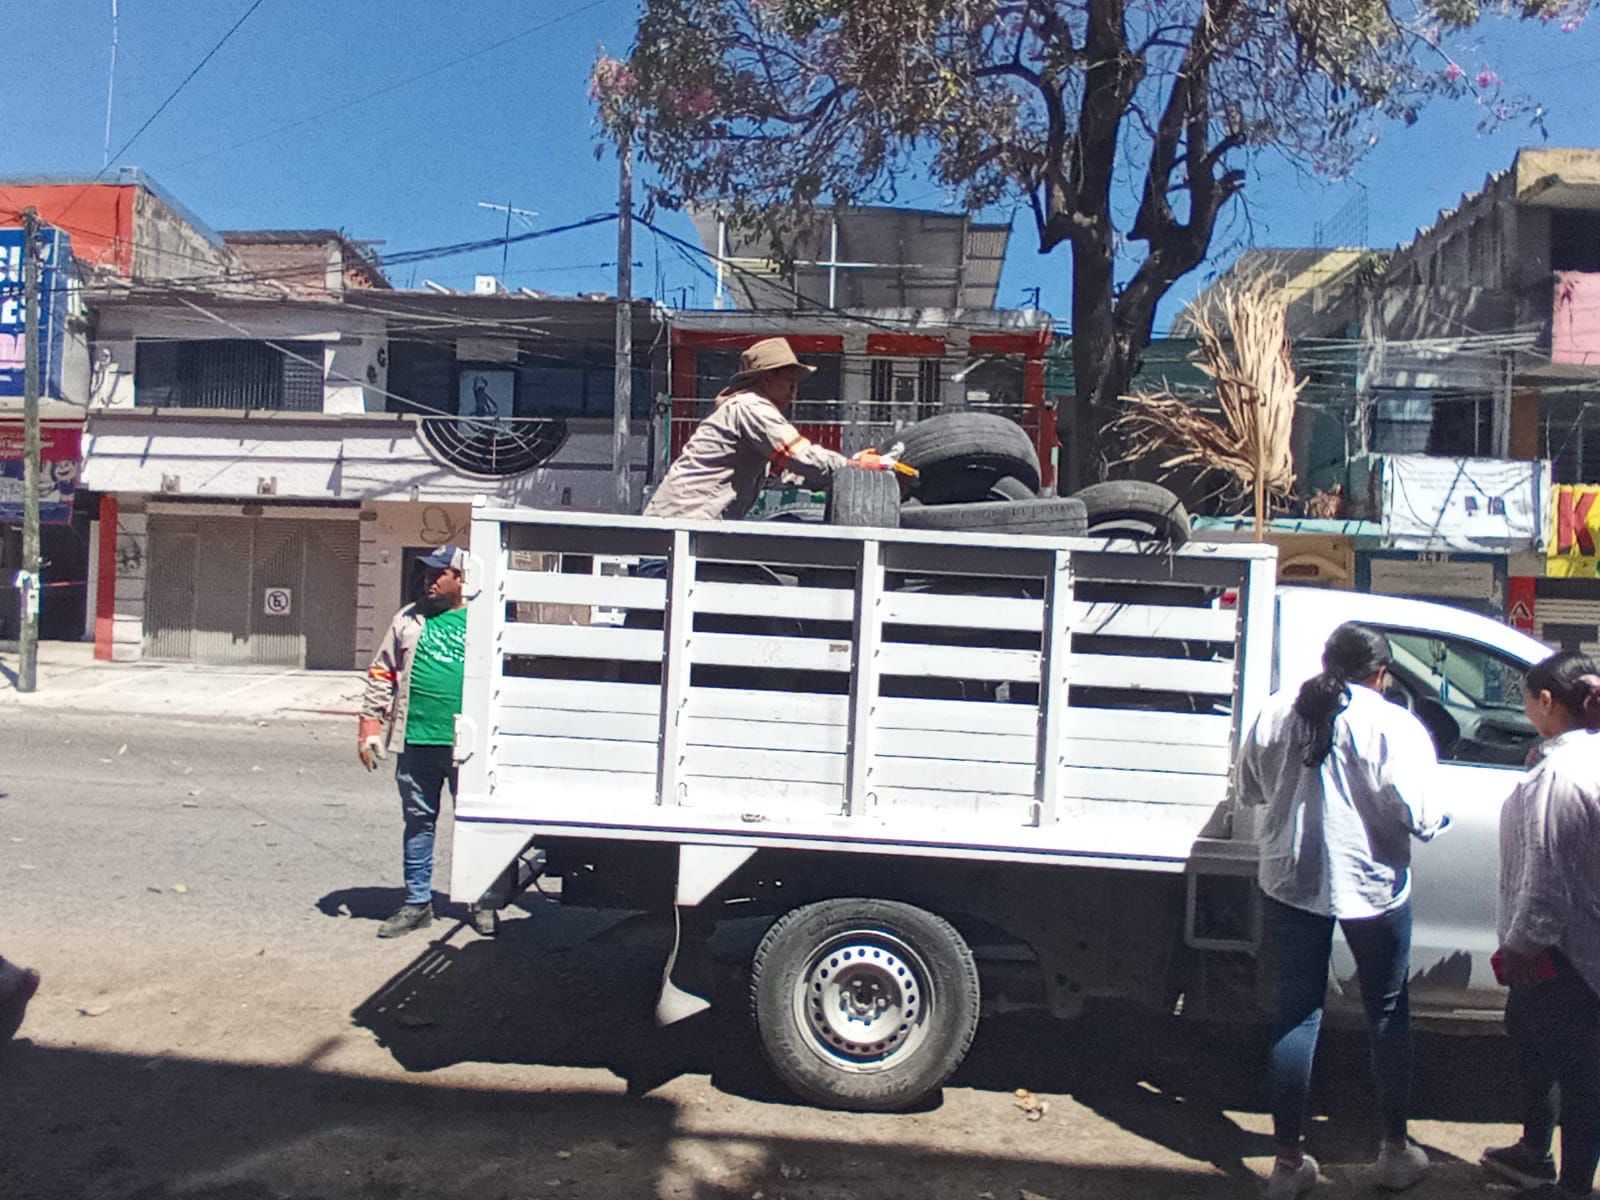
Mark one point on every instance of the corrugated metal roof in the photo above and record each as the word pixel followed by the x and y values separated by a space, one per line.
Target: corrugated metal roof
pixel 864 258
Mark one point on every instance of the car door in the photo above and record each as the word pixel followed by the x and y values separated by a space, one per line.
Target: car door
pixel 1469 697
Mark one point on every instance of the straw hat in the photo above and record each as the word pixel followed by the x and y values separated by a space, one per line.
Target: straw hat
pixel 769 354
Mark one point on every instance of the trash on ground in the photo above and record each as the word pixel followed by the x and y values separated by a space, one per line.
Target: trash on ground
pixel 1032 1106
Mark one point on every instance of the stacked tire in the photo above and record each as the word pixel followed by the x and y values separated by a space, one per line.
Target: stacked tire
pixel 979 473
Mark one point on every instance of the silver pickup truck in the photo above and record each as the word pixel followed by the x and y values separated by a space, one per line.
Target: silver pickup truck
pixel 943 774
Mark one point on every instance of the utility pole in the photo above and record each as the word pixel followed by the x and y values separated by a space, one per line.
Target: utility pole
pixel 622 403
pixel 28 579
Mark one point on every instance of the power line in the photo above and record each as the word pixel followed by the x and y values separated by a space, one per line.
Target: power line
pixel 183 83
pixel 353 101
pixel 289 274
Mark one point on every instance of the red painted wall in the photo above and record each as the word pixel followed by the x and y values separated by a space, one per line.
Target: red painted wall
pixel 99 216
pixel 105 598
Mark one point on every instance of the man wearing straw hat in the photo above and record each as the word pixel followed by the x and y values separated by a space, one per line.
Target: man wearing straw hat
pixel 746 436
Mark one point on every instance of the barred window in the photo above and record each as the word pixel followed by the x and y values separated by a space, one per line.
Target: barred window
pixel 229 373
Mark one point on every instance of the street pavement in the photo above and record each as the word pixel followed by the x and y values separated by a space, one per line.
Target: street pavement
pixel 218 1022
pixel 71 679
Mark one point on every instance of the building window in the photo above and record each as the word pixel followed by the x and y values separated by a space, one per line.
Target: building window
pixel 228 373
pixel 817 401
pixel 425 378
pixel 1447 423
pixel 1574 241
pixel 1569 436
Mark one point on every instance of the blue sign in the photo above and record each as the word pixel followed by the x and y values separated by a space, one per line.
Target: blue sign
pixel 55 274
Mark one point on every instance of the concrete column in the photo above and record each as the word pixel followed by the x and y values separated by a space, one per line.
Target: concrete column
pixel 128 592
pixel 369 622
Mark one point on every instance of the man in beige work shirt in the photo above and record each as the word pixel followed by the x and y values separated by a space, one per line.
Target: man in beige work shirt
pixel 746 437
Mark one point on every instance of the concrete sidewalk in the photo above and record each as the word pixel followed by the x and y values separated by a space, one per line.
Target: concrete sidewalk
pixel 71 679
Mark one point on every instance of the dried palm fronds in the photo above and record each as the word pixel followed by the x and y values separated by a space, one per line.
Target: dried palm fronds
pixel 1244 348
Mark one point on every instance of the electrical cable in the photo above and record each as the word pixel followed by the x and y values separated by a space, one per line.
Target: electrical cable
pixel 184 82
pixel 354 101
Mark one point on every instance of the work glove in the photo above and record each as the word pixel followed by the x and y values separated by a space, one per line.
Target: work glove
pixel 369 743
pixel 870 460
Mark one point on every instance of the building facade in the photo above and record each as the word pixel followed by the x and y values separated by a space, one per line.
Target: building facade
pixel 274 469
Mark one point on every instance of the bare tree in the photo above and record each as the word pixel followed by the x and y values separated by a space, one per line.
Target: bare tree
pixel 1118 123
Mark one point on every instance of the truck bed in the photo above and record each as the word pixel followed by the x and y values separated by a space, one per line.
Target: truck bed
pixel 754 685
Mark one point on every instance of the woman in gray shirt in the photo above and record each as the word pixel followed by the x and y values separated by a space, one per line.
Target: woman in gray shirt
pixel 1550 932
pixel 1341 778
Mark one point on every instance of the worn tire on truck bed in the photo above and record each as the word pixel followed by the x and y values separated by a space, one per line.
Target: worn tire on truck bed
pixel 864 1004
pixel 1131 508
pixel 864 498
pixel 1009 487
pixel 1044 518
pixel 962 455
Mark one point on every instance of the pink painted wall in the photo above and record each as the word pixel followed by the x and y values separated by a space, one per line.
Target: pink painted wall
pixel 1575 327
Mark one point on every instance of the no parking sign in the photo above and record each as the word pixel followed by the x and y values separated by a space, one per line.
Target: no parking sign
pixel 277 601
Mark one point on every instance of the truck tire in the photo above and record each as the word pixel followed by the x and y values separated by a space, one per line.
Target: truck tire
pixel 1131 508
pixel 864 498
pixel 1009 487
pixel 861 1004
pixel 962 455
pixel 1041 518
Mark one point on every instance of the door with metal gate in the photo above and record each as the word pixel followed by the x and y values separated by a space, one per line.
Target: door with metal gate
pixel 260 591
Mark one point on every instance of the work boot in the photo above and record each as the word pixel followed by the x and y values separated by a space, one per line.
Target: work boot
pixel 485 921
pixel 17 986
pixel 406 918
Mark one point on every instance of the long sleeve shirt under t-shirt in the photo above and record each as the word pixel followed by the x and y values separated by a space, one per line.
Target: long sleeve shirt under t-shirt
pixel 1550 856
pixel 1335 839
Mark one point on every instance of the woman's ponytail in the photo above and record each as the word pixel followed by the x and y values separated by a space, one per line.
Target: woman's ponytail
pixel 1573 680
pixel 1353 652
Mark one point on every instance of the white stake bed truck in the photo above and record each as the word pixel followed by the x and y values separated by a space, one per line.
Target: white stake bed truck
pixel 920 754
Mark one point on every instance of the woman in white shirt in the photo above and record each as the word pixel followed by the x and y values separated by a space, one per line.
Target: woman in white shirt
pixel 1340 776
pixel 1550 931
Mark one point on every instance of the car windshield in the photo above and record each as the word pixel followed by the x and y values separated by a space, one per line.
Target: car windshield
pixel 1462 674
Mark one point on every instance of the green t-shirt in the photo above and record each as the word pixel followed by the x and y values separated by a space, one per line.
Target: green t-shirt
pixel 437 669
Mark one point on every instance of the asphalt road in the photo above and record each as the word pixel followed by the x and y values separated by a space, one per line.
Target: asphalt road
pixel 218 1022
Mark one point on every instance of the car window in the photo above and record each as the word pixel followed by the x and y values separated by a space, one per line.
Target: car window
pixel 1468 696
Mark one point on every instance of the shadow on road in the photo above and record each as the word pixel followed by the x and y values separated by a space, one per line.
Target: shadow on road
pixel 90 1125
pixel 574 988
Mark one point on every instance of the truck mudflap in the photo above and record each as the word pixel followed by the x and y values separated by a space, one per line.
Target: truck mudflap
pixel 1222 904
pixel 701 870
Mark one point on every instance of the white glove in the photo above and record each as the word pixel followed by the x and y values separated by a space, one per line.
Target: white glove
pixel 371 751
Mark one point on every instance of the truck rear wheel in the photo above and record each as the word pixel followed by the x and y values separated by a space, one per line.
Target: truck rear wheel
pixel 864 1004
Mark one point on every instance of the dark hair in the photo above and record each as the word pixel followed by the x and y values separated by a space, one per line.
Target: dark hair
pixel 1353 652
pixel 1573 680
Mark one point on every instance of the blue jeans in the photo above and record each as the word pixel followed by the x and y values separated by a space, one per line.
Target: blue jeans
pixel 1299 943
pixel 1555 1028
pixel 421 773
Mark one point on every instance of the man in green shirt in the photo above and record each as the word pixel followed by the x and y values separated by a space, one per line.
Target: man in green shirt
pixel 412 699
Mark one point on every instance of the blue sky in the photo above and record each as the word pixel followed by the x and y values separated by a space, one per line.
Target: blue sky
pixel 352 116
